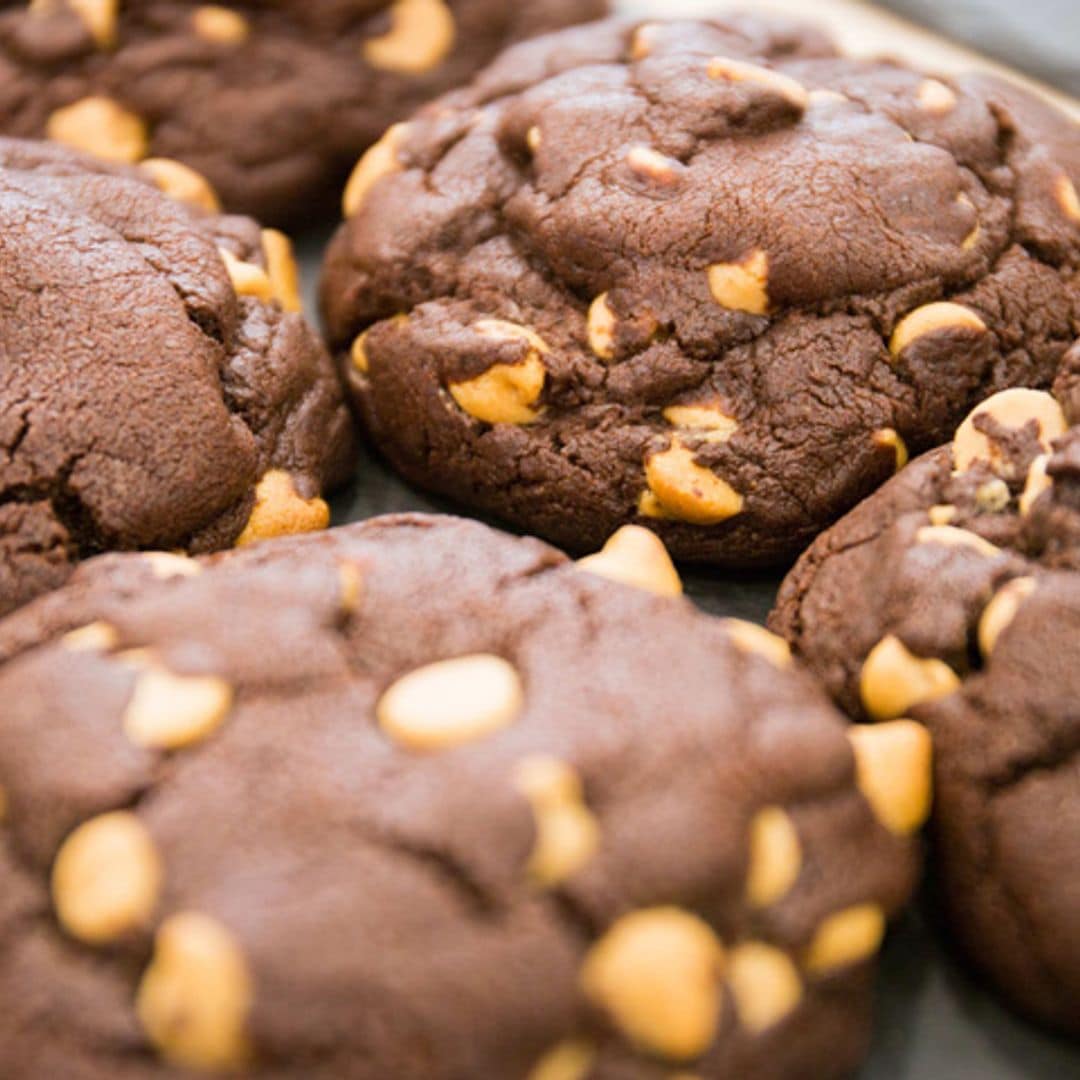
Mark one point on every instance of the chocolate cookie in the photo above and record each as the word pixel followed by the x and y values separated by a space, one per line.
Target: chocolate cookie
pixel 705 276
pixel 953 596
pixel 271 101
pixel 416 799
pixel 157 388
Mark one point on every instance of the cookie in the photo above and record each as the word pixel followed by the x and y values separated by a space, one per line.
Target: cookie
pixel 706 277
pixel 158 388
pixel 414 798
pixel 953 596
pixel 271 102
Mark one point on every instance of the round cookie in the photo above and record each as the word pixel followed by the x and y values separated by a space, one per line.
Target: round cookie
pixel 414 798
pixel 271 101
pixel 158 388
pixel 953 596
pixel 708 277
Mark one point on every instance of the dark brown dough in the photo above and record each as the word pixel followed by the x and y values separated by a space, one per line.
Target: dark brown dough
pixel 271 101
pixel 143 400
pixel 749 220
pixel 1006 621
pixel 383 899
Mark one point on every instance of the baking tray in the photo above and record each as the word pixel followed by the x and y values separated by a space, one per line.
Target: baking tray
pixel 934 1022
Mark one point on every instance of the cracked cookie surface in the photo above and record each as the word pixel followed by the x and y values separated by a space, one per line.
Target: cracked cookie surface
pixel 271 101
pixel 414 798
pixel 710 277
pixel 953 595
pixel 157 387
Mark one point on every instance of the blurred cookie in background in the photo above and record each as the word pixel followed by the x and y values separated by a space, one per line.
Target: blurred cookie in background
pixel 270 101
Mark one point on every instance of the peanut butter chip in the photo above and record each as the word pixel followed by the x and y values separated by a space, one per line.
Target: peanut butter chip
pixel 845 938
pixel 358 353
pixel 637 557
pixel 775 857
pixel 827 98
pixel 764 983
pixel 942 514
pixel 972 237
pixel 1001 611
pixel 196 994
pixel 182 183
pixel 687 491
pixel 420 37
pixel 351 581
pixel 94 637
pixel 567 834
pixel 281 511
pixel 99 16
pixel 570 1060
pixel 737 71
pixel 893 771
pixel 282 269
pixel 949 536
pixel 505 393
pixel 657 973
pixel 893 680
pixel 106 878
pixel 1012 410
pixel 1067 198
pixel 380 160
pixel 707 421
pixel 931 319
pixel 99 126
pixel 641 45
pixel 751 638
pixel 167 564
pixel 170 712
pixel 890 439
pixel 993 497
pixel 649 506
pixel 935 97
pixel 220 25
pixel 1038 481
pixel 742 286
pixel 650 164
pixel 248 279
pixel 451 702
pixel 600 328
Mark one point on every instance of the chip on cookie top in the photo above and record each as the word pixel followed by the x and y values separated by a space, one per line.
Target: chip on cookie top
pixel 738 277
pixel 158 388
pixel 271 101
pixel 953 596
pixel 413 798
